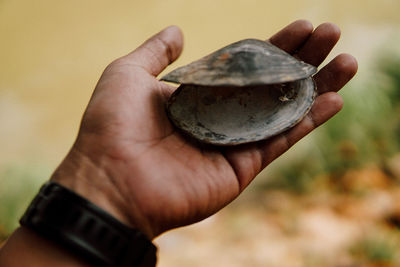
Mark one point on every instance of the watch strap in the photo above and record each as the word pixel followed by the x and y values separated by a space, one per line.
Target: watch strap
pixel 63 216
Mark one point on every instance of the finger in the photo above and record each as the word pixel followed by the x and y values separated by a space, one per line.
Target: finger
pixel 320 43
pixel 263 153
pixel 325 107
pixel 292 36
pixel 336 73
pixel 248 160
pixel 158 52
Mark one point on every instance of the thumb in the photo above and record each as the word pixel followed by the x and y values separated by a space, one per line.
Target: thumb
pixel 158 52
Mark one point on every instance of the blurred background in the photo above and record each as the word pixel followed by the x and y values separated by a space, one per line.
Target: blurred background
pixel 332 200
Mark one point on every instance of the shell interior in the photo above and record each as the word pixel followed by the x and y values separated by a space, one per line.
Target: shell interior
pixel 245 92
pixel 235 115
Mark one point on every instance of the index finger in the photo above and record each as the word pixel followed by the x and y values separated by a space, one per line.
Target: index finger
pixel 292 36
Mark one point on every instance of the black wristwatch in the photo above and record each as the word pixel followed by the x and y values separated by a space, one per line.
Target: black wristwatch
pixel 70 220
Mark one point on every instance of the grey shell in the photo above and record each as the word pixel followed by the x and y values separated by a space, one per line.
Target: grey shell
pixel 245 92
pixel 247 62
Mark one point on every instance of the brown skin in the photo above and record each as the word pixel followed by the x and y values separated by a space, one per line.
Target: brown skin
pixel 130 160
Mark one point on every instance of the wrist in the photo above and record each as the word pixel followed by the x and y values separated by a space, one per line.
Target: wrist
pixel 88 178
pixel 26 248
pixel 79 226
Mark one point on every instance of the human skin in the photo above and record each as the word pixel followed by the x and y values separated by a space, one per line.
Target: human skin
pixel 130 160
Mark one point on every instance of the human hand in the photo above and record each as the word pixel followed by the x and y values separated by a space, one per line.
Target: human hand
pixel 130 160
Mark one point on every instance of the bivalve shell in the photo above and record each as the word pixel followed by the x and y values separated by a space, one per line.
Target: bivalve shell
pixel 245 92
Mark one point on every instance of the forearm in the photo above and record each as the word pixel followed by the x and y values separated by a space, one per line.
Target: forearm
pixel 26 248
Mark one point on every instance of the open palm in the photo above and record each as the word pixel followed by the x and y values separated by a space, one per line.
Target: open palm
pixel 148 175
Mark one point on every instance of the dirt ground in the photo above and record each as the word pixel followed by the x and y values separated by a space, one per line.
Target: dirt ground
pixel 355 227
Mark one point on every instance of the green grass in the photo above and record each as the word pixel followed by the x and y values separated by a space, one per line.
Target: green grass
pixel 376 249
pixel 18 185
